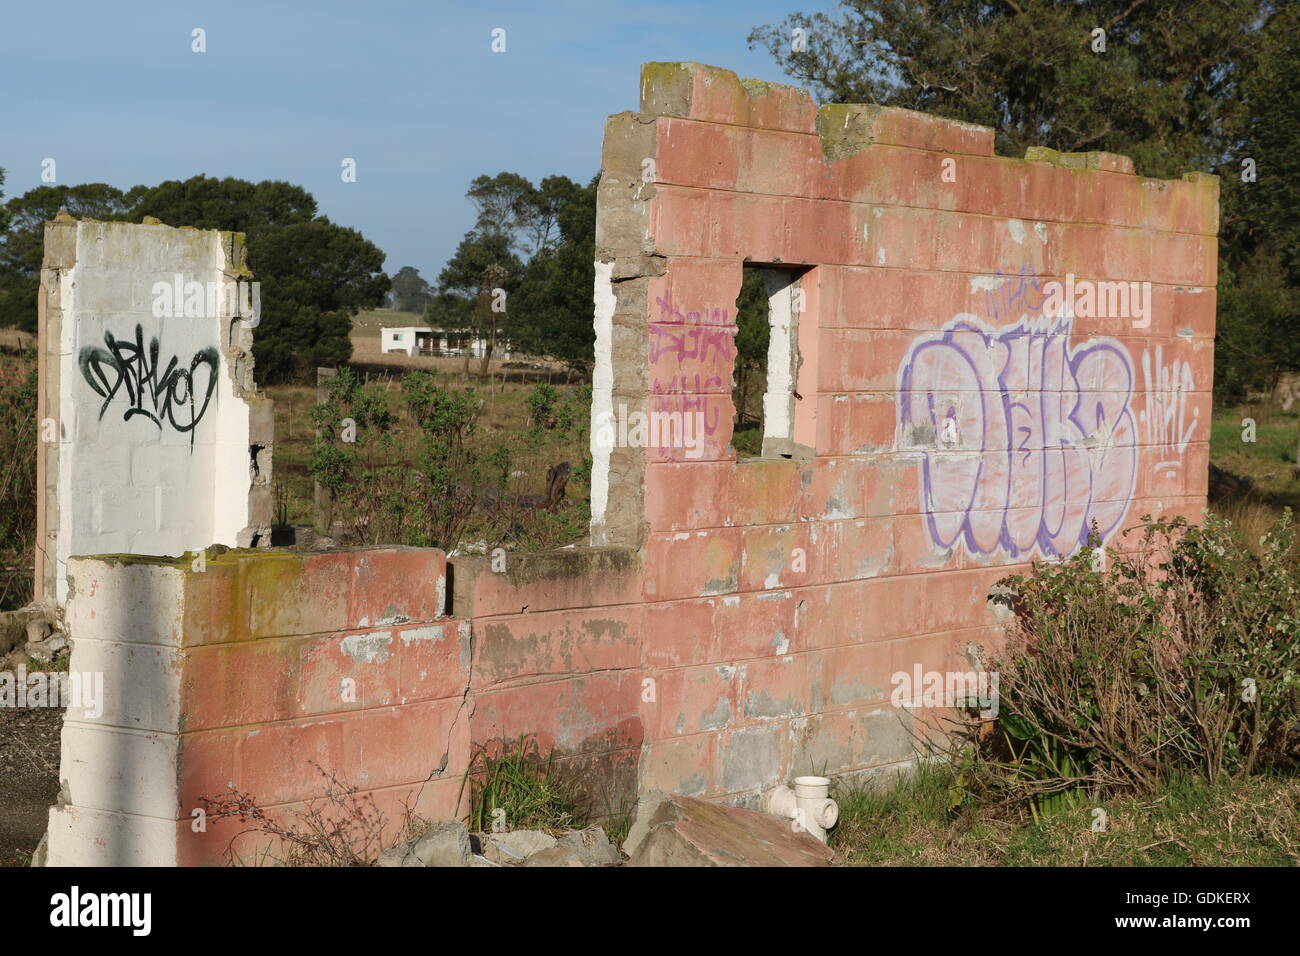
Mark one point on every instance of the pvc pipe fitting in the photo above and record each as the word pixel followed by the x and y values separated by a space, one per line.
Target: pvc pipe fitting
pixel 808 805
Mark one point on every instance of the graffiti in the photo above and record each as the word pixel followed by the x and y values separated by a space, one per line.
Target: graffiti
pixel 685 351
pixel 1025 443
pixel 1013 295
pixel 684 336
pixel 1164 420
pixel 1082 298
pixel 169 396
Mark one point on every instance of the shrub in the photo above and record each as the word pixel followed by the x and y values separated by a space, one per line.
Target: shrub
pixel 343 827
pixel 424 474
pixel 1181 658
pixel 18 386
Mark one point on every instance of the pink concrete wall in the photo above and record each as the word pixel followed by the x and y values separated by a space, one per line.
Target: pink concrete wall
pixel 786 593
pixel 269 640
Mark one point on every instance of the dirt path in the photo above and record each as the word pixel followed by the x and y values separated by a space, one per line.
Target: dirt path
pixel 29 778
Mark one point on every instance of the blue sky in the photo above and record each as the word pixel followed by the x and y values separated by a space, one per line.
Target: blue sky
pixel 286 90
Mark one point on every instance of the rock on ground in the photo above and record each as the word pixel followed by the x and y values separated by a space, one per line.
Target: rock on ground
pixel 557 856
pixel 443 844
pixel 514 847
pixel 675 830
pixel 593 847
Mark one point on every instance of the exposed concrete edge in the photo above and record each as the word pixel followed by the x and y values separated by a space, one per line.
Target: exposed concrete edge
pixel 473 575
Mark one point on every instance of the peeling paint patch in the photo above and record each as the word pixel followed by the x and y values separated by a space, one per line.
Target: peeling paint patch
pixel 692 785
pixel 392 616
pixel 718 586
pixel 719 717
pixel 367 648
pixel 433 633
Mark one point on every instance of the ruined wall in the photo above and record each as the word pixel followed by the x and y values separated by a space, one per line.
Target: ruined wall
pixel 964 414
pixel 955 409
pixel 258 673
pixel 149 414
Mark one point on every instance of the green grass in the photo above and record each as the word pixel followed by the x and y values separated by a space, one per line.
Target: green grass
pixel 1269 459
pixel 1253 822
pixel 518 781
pixel 748 442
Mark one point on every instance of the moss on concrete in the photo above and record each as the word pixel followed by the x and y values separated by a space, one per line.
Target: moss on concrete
pixel 568 563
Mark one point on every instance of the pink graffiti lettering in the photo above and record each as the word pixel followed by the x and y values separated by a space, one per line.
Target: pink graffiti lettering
pixel 684 334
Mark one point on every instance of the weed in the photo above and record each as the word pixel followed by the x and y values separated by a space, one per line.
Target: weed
pixel 518 789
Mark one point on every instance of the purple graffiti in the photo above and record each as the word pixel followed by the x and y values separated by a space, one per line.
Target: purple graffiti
pixel 1025 443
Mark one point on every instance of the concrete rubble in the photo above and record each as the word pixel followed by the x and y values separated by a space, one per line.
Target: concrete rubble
pixel 675 830
pixel 449 844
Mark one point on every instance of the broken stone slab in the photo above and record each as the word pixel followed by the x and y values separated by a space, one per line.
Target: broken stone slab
pixel 558 856
pixel 514 847
pixel 675 830
pixel 443 844
pixel 394 855
pixel 593 846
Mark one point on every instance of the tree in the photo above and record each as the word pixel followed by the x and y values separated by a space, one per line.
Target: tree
pixel 753 333
pixel 234 205
pixel 1165 90
pixel 552 309
pixel 508 203
pixel 4 213
pixel 22 248
pixel 1259 271
pixel 502 204
pixel 315 275
pixel 410 293
pixel 482 273
pixel 546 207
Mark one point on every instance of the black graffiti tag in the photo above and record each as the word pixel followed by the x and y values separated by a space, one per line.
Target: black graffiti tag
pixel 169 397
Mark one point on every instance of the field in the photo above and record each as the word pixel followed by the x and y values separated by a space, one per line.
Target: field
pixel 503 414
pixel 1269 459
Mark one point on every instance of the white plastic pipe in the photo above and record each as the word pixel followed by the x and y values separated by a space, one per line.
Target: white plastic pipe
pixel 808 805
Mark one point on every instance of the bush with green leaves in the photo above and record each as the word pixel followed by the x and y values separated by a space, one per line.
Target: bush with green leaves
pixel 1181 658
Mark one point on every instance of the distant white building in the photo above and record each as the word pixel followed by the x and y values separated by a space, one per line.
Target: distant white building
pixel 422 340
